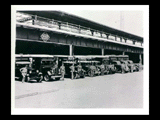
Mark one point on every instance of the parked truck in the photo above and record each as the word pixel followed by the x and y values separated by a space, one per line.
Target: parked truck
pixel 32 72
pixel 47 65
pixel 89 65
pixel 105 65
pixel 120 67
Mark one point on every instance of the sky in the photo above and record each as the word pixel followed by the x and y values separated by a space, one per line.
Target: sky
pixel 128 21
pixel 128 18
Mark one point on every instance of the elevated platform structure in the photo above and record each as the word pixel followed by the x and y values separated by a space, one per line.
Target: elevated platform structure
pixel 50 32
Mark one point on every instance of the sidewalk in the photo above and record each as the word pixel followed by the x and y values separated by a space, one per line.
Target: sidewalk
pixel 33 88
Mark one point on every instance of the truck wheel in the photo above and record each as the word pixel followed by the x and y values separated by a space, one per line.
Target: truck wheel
pixel 102 72
pixel 46 77
pixel 110 71
pixel 41 78
pixel 122 71
pixel 83 76
pixel 92 73
pixel 28 79
pixel 89 73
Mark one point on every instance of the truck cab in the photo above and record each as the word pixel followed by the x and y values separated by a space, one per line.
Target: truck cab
pixel 120 67
pixel 125 60
pixel 48 66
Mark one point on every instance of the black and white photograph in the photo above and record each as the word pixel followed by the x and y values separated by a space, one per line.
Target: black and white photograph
pixel 79 59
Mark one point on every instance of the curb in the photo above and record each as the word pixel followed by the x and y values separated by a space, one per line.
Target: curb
pixel 35 93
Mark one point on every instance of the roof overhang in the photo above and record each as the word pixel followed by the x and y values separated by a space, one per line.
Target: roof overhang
pixel 63 16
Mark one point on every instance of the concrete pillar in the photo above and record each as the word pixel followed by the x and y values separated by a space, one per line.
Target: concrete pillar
pixel 35 17
pixel 125 40
pixel 79 28
pixel 92 32
pixel 70 50
pixel 34 20
pixel 121 39
pixel 140 58
pixel 134 42
pixel 102 51
pixel 123 53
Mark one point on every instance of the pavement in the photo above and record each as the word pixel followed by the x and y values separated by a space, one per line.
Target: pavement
pixel 32 88
pixel 108 91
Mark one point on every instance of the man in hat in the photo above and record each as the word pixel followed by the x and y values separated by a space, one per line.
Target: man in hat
pixel 72 67
pixel 23 71
pixel 62 71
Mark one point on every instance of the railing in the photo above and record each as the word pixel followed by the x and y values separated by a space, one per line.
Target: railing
pixel 55 24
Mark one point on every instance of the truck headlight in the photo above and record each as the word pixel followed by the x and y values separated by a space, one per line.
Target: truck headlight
pixel 40 73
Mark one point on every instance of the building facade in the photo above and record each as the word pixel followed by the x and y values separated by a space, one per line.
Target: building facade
pixel 59 33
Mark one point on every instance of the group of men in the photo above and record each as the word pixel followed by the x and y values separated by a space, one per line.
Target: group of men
pixel 74 71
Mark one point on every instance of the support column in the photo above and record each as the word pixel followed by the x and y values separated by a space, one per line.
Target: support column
pixel 92 32
pixel 115 38
pixel 140 58
pixel 102 51
pixel 123 53
pixel 70 50
pixel 125 40
pixel 34 20
pixel 134 42
pixel 120 39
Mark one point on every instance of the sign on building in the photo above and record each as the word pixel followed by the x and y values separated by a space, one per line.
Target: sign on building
pixel 45 37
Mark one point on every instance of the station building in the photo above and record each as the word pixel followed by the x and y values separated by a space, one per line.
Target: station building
pixel 60 33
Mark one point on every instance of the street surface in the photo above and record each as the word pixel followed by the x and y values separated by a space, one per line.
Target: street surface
pixel 108 91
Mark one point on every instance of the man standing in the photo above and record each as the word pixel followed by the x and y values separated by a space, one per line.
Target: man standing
pixel 102 69
pixel 62 71
pixel 79 70
pixel 23 71
pixel 79 67
pixel 72 71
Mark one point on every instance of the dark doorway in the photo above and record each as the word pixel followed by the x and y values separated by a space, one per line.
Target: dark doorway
pixel 112 52
pixel 133 56
pixel 86 51
pixel 28 47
